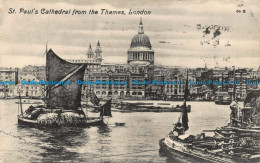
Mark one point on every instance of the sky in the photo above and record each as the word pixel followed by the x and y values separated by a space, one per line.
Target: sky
pixel 171 27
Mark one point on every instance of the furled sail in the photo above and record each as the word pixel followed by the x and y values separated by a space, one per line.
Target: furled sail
pixel 185 119
pixel 93 98
pixel 66 96
pixel 106 109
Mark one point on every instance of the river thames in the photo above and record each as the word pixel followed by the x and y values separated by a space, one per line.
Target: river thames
pixel 137 141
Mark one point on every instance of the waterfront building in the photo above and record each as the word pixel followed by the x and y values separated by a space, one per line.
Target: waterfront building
pixel 7 74
pixel 93 58
pixel 176 91
pixel 241 89
pixel 28 90
pixel 241 76
pixel 37 71
pixel 139 67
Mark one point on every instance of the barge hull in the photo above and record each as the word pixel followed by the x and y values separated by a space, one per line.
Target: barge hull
pixel 181 155
pixel 34 123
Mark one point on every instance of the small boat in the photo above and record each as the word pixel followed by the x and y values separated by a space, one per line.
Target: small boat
pixel 119 124
pixel 62 101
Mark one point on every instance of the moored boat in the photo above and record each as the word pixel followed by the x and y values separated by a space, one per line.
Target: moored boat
pixel 89 121
pixel 63 98
pixel 223 98
pixel 239 141
pixel 151 107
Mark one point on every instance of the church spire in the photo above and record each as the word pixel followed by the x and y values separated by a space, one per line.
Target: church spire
pixel 141 27
pixel 98 51
pixel 90 52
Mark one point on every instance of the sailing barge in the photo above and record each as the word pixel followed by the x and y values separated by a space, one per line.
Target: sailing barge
pixel 239 141
pixel 63 101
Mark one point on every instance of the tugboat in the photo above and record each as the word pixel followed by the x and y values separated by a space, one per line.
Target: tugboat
pixel 63 100
pixel 239 141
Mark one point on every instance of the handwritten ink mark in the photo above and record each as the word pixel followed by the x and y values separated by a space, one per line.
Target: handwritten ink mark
pixel 216 33
pixel 206 32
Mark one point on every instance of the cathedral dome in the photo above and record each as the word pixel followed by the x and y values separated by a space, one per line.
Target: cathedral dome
pixel 140 52
pixel 140 40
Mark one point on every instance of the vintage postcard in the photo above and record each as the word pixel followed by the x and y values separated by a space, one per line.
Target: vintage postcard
pixel 129 81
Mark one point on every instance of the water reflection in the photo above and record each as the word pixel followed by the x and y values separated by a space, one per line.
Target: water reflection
pixel 105 143
pixel 59 143
pixel 104 129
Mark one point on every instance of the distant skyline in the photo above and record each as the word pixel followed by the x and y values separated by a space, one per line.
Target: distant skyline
pixel 171 27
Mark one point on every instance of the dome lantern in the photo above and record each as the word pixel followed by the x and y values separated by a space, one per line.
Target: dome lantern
pixel 141 27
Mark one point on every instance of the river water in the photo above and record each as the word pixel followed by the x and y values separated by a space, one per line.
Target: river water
pixel 137 141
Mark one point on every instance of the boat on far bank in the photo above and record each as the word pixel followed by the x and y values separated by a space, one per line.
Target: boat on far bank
pixel 121 111
pixel 223 98
pixel 133 106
